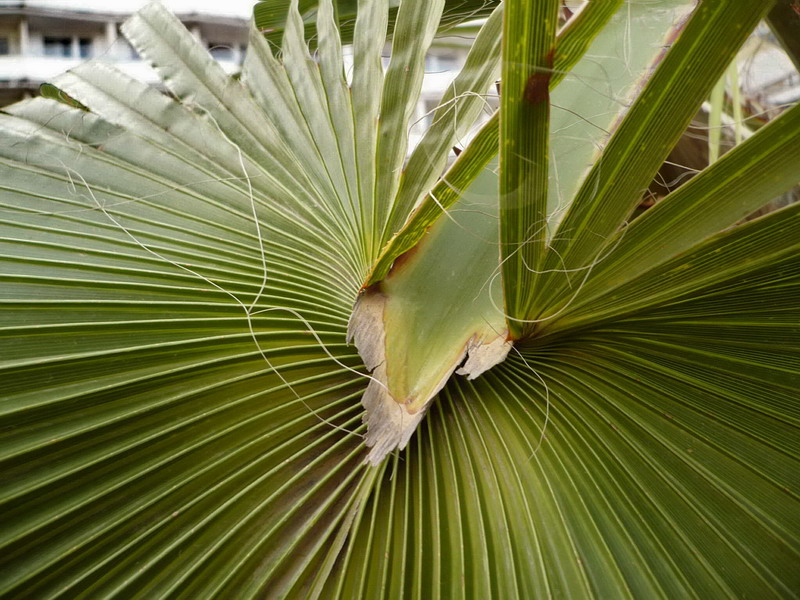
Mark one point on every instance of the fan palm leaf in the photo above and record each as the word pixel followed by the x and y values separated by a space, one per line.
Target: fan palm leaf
pixel 183 415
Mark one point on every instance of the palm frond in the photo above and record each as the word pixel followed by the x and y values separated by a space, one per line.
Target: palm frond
pixel 182 413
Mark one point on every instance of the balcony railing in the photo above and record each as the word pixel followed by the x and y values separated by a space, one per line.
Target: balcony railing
pixel 39 69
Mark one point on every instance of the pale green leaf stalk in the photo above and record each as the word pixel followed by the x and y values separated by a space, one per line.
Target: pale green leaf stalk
pixel 717 102
pixel 572 41
pixel 736 100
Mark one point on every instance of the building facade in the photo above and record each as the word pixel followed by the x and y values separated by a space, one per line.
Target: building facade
pixel 39 39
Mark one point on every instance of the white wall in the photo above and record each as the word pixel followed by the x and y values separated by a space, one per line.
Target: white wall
pixel 227 8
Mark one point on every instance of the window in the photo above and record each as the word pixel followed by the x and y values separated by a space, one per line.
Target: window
pixel 440 64
pixel 122 48
pixel 57 46
pixel 130 52
pixel 85 47
pixel 220 51
pixel 423 115
pixel 4 49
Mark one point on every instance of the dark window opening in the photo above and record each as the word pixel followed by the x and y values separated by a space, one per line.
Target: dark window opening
pixel 220 51
pixel 4 49
pixel 57 46
pixel 85 47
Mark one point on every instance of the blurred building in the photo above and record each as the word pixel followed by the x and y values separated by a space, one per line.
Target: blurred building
pixel 39 39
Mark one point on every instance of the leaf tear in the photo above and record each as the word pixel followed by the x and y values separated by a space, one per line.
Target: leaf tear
pixel 483 355
pixel 391 421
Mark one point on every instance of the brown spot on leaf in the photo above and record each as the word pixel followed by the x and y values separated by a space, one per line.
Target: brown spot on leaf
pixel 537 88
pixel 402 260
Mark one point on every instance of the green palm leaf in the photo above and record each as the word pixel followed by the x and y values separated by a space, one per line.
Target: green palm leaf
pixel 270 16
pixel 182 413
